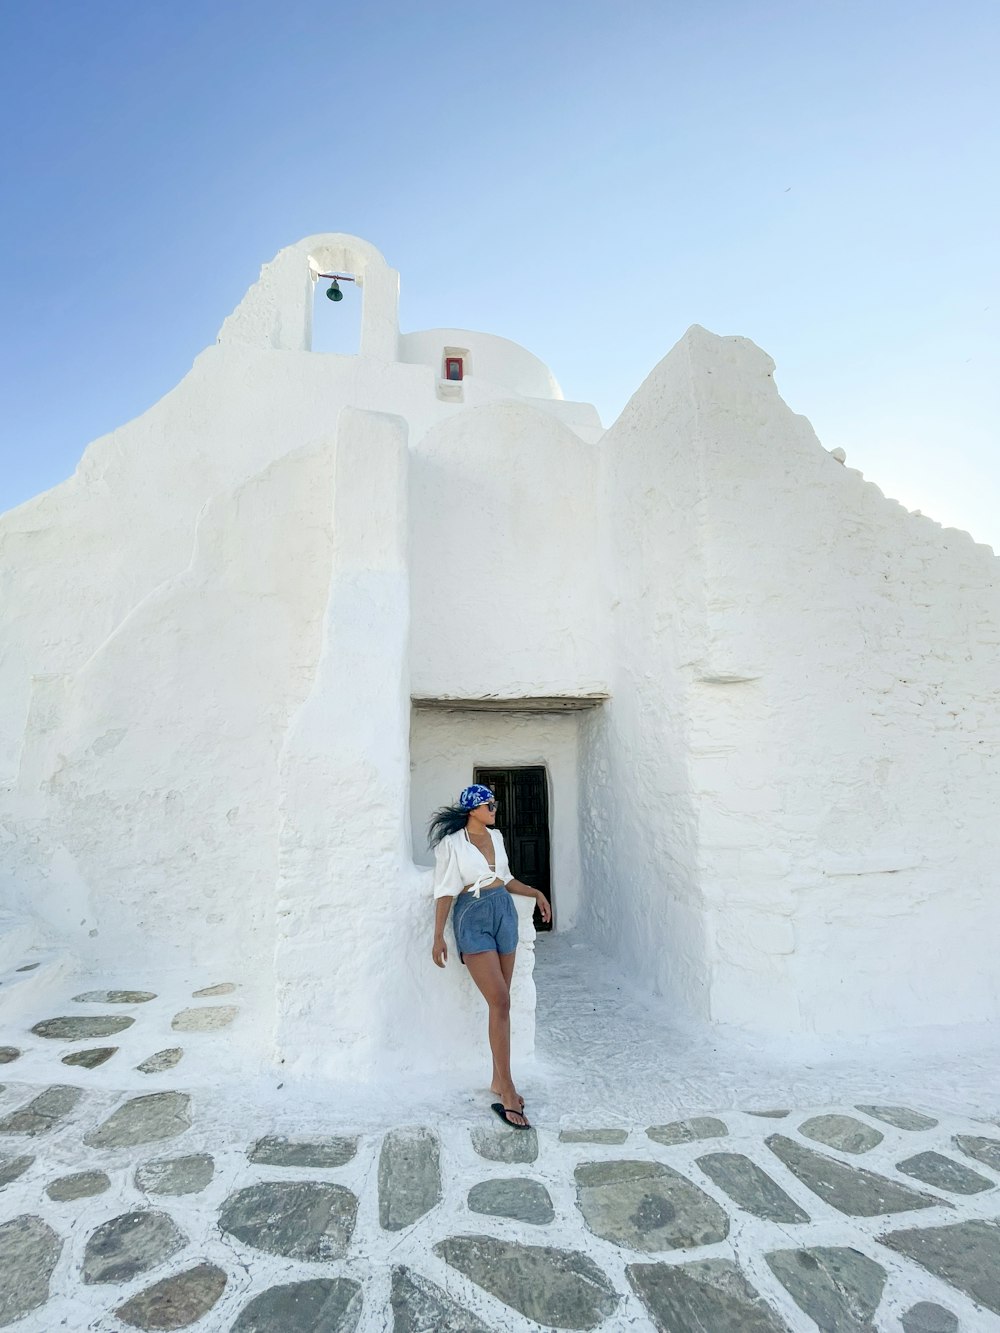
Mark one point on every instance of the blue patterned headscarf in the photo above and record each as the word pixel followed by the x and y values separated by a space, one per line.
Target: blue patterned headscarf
pixel 475 795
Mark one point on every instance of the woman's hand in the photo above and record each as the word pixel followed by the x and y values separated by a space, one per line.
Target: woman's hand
pixel 543 905
pixel 440 951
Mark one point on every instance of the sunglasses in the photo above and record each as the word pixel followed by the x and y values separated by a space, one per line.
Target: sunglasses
pixel 491 805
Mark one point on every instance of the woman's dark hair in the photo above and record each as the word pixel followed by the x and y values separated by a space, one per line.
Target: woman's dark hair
pixel 449 819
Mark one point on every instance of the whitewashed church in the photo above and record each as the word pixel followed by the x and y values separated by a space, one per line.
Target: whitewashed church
pixel 742 711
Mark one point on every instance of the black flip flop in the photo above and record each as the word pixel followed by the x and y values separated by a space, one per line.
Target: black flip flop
pixel 522 1103
pixel 503 1112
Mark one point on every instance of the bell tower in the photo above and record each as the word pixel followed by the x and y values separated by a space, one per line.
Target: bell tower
pixel 277 310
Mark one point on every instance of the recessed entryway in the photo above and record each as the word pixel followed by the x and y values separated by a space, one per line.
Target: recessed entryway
pixel 534 760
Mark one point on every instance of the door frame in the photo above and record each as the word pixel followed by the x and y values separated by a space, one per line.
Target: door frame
pixel 477 770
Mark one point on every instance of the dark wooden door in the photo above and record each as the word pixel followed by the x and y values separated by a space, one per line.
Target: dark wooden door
pixel 523 819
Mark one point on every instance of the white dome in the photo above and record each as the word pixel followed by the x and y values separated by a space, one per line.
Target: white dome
pixel 496 361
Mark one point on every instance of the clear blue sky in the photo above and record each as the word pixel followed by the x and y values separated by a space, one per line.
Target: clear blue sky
pixel 585 178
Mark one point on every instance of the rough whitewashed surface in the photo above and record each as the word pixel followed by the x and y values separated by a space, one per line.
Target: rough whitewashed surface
pixel 805 717
pixel 782 817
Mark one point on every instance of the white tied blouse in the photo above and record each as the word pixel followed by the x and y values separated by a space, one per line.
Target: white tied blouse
pixel 459 865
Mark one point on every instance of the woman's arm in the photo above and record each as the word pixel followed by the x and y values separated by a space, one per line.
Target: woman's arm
pixel 446 884
pixel 442 906
pixel 526 891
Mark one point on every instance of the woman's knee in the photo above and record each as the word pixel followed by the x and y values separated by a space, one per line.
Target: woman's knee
pixel 500 1003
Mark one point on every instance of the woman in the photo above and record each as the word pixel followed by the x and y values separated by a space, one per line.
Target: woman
pixel 470 867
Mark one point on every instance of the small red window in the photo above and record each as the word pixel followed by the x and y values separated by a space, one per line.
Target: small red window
pixel 453 368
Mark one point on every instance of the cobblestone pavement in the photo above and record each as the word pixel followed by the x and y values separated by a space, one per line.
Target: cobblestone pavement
pixel 132 1195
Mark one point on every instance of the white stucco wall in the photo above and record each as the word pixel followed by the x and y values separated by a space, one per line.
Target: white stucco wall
pixel 76 560
pixel 162 628
pixel 505 570
pixel 849 775
pixel 445 748
pixel 147 784
pixel 805 704
pixel 643 891
pixel 786 808
pixel 357 992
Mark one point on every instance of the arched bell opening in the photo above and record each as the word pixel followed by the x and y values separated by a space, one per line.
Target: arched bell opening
pixel 336 315
pixel 355 306
pixel 278 311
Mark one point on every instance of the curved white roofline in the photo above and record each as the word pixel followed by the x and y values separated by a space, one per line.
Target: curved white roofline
pixel 489 358
pixel 276 313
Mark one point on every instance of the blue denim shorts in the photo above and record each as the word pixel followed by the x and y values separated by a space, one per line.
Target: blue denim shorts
pixel 487 924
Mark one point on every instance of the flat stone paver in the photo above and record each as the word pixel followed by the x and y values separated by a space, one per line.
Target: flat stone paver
pixel 207 1018
pixel 520 1199
pixel 175 1302
pixel 29 1251
pixel 900 1116
pixel 115 997
pixel 849 1189
pixel 688 1131
pixel 966 1255
pixel 838 1287
pixel 13 1167
pixel 42 1112
pixel 933 1168
pixel 146 1119
pixel 506 1145
pixel 647 1206
pixel 559 1288
pixel 420 1306
pixel 593 1135
pixel 318 1305
pixel 300 1219
pixel 409 1177
pixel 707 1296
pixel 79 1185
pixel 223 988
pixel 78 1027
pixel 130 1244
pixel 176 1175
pixel 324 1151
pixel 166 1059
pixel 751 1187
pixel 842 1132
pixel 297 1230
pixel 980 1149
pixel 770 1115
pixel 90 1059
pixel 926 1317
pixel 8 1054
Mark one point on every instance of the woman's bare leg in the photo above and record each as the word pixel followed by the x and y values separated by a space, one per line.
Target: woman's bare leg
pixel 507 968
pixel 486 971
